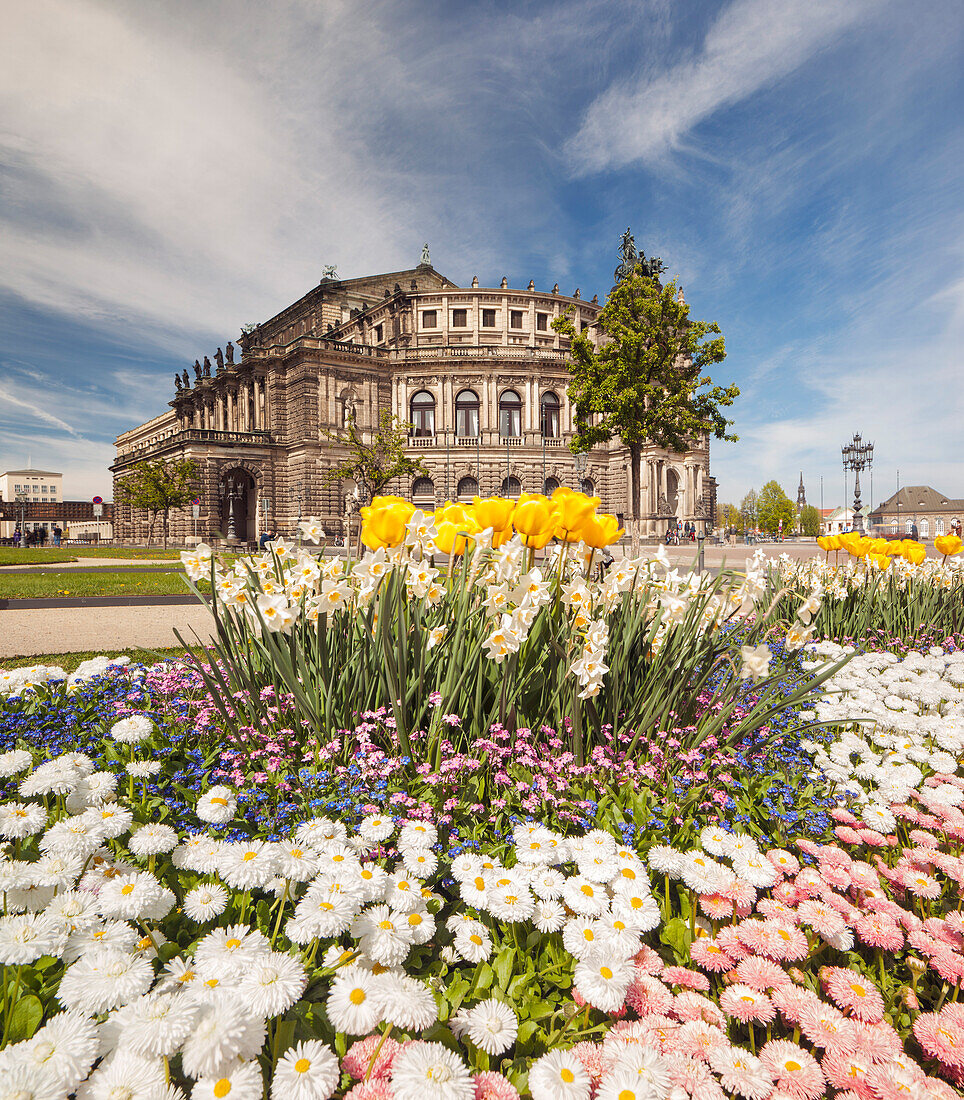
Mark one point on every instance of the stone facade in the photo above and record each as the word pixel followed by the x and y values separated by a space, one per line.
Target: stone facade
pixel 478 372
pixel 918 506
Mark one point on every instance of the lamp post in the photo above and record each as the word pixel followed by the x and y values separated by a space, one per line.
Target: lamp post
pixel 857 456
pixel 579 461
pixel 294 494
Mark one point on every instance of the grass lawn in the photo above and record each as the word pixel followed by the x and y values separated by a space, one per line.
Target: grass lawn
pixel 79 583
pixel 12 555
pixel 69 661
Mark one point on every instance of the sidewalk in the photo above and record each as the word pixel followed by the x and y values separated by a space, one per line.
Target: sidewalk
pixel 71 630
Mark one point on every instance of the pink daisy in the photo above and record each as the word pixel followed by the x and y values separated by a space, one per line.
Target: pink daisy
pixel 688 979
pixel 648 996
pixel 837 877
pixel 716 906
pixel 690 1005
pixel 762 974
pixel 831 856
pixel 784 861
pixel 826 1026
pixel 949 965
pixel 697 1038
pixel 844 817
pixel 707 953
pixel 809 882
pixel 822 918
pixel 850 990
pixel 741 1073
pixel 493 1086
pixel 746 1004
pixel 660 1031
pixel 359 1056
pixel 648 961
pixel 879 930
pixel 921 885
pixel 872 838
pixel 378 1088
pixel 793 1002
pixel 729 940
pixel 846 835
pixel 846 1069
pixel 863 876
pixel 794 1071
pixel 787 893
pixel 694 1077
pixel 880 1042
pixel 775 940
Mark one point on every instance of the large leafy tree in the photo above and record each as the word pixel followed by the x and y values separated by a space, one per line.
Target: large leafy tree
pixel 158 487
pixel 729 516
pixel 773 505
pixel 377 461
pixel 648 382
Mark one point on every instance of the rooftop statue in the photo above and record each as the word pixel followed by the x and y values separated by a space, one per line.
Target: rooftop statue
pixel 426 258
pixel 229 354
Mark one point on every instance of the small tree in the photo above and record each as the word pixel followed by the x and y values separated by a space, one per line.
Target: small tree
pixel 748 511
pixel 729 516
pixel 809 521
pixel 159 486
pixel 646 384
pixel 378 462
pixel 773 506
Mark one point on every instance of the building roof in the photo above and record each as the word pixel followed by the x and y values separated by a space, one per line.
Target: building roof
pixel 921 498
pixel 35 473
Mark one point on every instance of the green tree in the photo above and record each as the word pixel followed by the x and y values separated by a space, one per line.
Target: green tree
pixel 748 511
pixel 773 506
pixel 729 515
pixel 647 383
pixel 809 521
pixel 159 486
pixel 375 463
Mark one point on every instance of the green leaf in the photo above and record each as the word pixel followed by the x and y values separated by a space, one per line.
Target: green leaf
pixel 25 1018
pixel 503 966
pixel 675 933
pixel 526 1030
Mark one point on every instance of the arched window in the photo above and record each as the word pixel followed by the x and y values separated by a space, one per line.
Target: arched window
pixel 422 414
pixel 549 486
pixel 510 414
pixel 907 526
pixel 511 487
pixel 550 416
pixel 468 488
pixel 924 528
pixel 423 492
pixel 467 414
pixel 587 486
pixel 939 526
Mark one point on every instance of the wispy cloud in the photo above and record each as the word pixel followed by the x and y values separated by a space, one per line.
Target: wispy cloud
pixel 752 44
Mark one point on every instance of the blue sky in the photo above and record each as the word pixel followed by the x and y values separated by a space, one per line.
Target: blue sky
pixel 171 170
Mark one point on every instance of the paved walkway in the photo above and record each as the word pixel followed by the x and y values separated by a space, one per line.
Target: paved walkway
pixel 87 563
pixel 72 630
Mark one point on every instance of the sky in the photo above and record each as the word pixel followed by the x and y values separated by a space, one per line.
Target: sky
pixel 170 171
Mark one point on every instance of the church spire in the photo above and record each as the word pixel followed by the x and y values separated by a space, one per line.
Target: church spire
pixel 801 494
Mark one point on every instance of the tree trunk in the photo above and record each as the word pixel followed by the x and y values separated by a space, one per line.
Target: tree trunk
pixel 164 544
pixel 635 454
pixel 150 527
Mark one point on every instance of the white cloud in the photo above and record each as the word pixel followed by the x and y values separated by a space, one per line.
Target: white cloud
pixel 751 45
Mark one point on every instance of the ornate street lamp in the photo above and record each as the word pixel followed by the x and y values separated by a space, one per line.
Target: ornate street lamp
pixel 857 456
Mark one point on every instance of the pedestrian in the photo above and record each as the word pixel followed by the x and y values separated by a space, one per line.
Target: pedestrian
pixel 913 531
pixel 56 532
pixel 266 537
pixel 16 537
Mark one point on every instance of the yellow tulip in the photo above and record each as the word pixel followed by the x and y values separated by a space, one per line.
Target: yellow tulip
pixel 384 526
pixel 948 545
pixel 454 533
pixel 494 512
pixel 601 531
pixel 881 561
pixel 914 552
pixel 826 542
pixel 572 512
pixel 535 521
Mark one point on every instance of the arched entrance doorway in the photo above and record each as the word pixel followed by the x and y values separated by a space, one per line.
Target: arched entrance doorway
pixel 672 492
pixel 237 492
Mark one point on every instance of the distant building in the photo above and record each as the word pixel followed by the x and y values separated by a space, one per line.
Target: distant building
pixel 838 520
pixel 478 372
pixel 921 506
pixel 32 499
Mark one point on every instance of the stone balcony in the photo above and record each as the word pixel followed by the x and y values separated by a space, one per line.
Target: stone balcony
pixel 210 437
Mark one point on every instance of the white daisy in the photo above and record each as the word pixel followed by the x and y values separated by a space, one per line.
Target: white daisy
pixel 430 1071
pixel 306 1071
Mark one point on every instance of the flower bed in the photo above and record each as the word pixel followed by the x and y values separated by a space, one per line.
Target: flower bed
pixel 737 874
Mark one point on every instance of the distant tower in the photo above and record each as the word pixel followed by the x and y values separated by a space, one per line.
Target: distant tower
pixel 801 495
